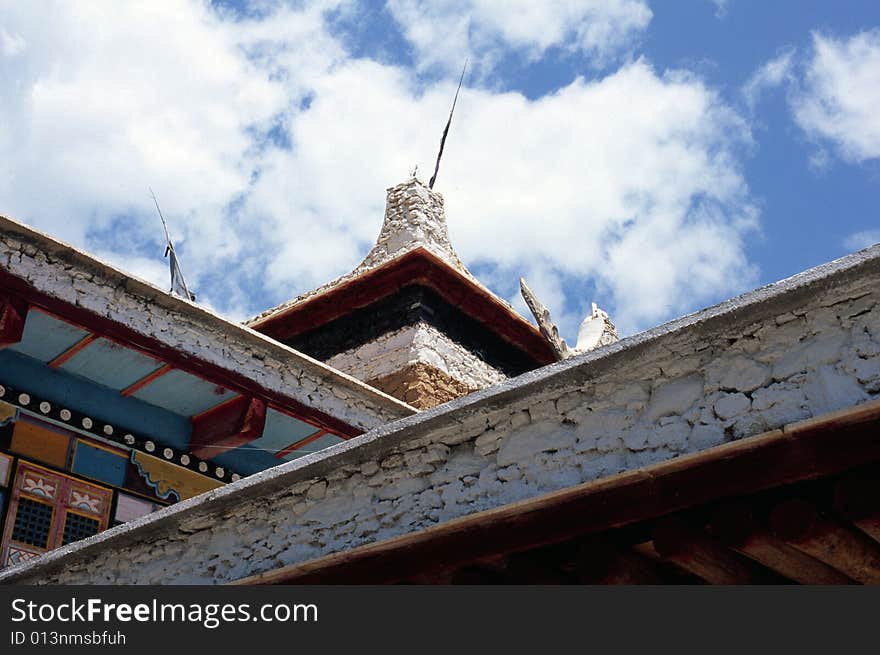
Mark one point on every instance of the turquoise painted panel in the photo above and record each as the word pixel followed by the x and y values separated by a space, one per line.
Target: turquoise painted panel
pixel 46 337
pixel 313 447
pixel 183 394
pixel 246 460
pixel 94 400
pixel 281 431
pixel 111 364
pixel 99 464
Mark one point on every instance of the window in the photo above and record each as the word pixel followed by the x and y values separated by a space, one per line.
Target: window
pixel 33 521
pixel 48 509
pixel 77 527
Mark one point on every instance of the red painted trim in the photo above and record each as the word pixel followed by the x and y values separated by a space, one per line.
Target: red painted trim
pixel 73 350
pixel 13 314
pixel 119 332
pixel 147 379
pixel 227 426
pixel 417 266
pixel 299 444
pixel 217 408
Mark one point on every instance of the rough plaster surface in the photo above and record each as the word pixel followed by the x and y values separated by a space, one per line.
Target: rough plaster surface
pixel 66 274
pixel 420 343
pixel 800 348
pixel 414 218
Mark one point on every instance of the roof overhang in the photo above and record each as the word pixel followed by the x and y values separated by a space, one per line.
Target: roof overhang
pixel 41 271
pixel 417 266
pixel 801 451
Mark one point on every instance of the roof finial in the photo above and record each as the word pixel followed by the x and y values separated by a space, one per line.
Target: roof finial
pixel 446 129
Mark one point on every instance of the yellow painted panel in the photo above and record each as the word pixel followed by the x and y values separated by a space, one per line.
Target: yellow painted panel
pixel 40 443
pixel 166 477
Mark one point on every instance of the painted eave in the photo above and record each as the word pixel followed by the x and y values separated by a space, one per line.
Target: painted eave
pixel 72 276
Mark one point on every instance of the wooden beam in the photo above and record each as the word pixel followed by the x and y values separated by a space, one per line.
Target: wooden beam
pixel 229 425
pixel 765 461
pixel 13 314
pixel 857 498
pixel 68 354
pixel 691 549
pixel 147 379
pixel 734 525
pixel 296 445
pixel 802 525
pixel 600 562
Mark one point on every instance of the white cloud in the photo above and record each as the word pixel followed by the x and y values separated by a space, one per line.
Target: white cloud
pixel 629 184
pixel 841 93
pixel 860 240
pixel 720 8
pixel 443 32
pixel 770 75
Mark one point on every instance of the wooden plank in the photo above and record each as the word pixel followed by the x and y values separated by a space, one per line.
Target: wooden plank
pixel 750 465
pixel 147 379
pixel 601 562
pixel 856 498
pixel 735 526
pixel 68 354
pixel 802 525
pixel 284 452
pixel 691 549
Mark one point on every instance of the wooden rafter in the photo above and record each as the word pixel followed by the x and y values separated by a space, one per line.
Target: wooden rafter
pixel 229 425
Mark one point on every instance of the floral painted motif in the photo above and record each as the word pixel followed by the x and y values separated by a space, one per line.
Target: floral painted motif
pixel 82 500
pixel 38 487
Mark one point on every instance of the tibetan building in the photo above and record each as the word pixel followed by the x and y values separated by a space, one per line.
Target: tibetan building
pixel 117 399
pixel 411 320
pixel 404 424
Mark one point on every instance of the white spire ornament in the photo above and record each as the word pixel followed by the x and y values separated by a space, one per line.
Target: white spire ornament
pixel 596 330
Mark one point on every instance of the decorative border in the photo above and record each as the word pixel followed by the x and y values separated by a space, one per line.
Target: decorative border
pixel 85 424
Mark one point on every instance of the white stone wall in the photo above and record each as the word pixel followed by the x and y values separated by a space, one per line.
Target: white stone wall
pixel 416 343
pixel 808 346
pixel 65 274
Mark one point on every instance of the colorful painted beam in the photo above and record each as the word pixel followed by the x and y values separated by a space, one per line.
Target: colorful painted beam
pixel 92 400
pixel 13 313
pixel 227 426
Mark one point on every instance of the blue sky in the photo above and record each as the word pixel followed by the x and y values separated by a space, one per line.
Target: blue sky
pixel 654 158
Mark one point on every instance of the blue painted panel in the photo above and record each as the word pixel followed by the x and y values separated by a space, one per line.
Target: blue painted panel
pixel 99 464
pixel 282 430
pixel 111 364
pixel 46 337
pixel 247 460
pixel 94 400
pixel 183 394
pixel 315 446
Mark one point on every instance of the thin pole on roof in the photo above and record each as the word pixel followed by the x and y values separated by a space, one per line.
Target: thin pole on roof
pixel 446 129
pixel 178 284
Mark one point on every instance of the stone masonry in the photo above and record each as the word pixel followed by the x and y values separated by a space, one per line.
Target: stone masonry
pixel 797 349
pixel 418 346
